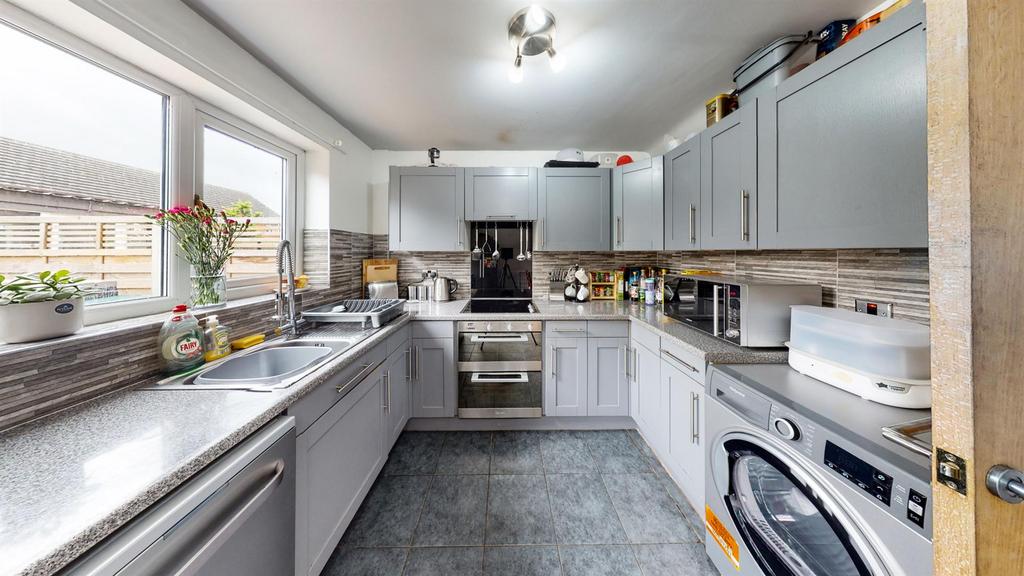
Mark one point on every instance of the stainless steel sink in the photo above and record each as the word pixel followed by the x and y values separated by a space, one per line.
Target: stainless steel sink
pixel 269 365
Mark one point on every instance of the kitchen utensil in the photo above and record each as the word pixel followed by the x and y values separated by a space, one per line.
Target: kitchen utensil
pixel 529 230
pixel 497 253
pixel 521 256
pixel 476 239
pixel 444 288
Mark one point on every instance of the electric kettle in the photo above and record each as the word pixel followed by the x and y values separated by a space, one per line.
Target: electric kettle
pixel 444 288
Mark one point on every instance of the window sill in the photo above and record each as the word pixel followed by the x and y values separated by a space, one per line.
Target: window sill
pixel 106 329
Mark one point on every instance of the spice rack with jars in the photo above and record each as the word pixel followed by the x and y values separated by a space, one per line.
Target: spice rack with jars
pixel 602 285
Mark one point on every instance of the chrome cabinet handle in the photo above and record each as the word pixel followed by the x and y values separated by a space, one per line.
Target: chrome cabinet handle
pixel 194 564
pixel 693 224
pixel 500 217
pixel 694 418
pixel 625 361
pixel 572 330
pixel 417 360
pixel 543 234
pixel 408 363
pixel 387 393
pixel 554 362
pixel 679 360
pixel 618 233
pixel 714 307
pixel 461 232
pixel 367 368
pixel 744 209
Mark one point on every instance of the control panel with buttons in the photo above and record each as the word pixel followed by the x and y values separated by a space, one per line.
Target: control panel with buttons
pixel 858 472
pixel 916 505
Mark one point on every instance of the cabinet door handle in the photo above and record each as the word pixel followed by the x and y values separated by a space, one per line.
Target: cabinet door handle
pixel 693 224
pixel 625 360
pixel 678 360
pixel 500 217
pixel 744 209
pixel 367 368
pixel 618 231
pixel 408 363
pixel 387 392
pixel 573 330
pixel 461 231
pixel 694 418
pixel 714 308
pixel 543 235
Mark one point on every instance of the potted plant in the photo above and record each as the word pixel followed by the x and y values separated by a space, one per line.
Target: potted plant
pixel 40 306
pixel 206 239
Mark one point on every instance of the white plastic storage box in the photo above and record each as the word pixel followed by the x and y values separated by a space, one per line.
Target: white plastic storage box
pixel 882 359
pixel 770 64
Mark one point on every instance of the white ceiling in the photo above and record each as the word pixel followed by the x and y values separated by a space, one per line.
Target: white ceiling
pixel 410 74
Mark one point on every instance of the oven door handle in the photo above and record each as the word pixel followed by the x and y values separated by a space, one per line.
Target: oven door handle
pixel 498 338
pixel 504 377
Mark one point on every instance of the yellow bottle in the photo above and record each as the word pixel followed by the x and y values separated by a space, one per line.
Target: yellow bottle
pixel 215 340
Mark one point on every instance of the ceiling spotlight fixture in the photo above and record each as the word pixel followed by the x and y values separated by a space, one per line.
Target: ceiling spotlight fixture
pixel 532 32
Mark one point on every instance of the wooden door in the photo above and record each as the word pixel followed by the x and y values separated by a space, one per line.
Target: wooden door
pixel 565 377
pixel 976 206
pixel 682 196
pixel 729 182
pixel 574 209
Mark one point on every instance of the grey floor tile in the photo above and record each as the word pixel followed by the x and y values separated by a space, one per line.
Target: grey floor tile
pixel 615 560
pixel 518 511
pixel 415 453
pixel 522 561
pixel 565 452
pixel 640 443
pixel 464 561
pixel 453 512
pixel 465 453
pixel 582 511
pixel 686 559
pixel 615 453
pixel 388 515
pixel 516 453
pixel 647 512
pixel 348 561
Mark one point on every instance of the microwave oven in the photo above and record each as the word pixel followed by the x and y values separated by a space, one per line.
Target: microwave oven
pixel 750 312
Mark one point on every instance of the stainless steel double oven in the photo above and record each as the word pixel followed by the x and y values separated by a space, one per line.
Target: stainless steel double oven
pixel 500 369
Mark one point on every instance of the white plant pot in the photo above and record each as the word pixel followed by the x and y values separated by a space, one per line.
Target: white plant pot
pixel 41 320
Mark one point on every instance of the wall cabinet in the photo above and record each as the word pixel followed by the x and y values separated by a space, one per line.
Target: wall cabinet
pixel 682 196
pixel 434 378
pixel 574 209
pixel 607 388
pixel 638 204
pixel 685 446
pixel 337 459
pixel 426 209
pixel 501 194
pixel 728 181
pixel 843 149
pixel 565 377
pixel 395 391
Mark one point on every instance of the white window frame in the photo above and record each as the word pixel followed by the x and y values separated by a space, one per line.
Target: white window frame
pixel 291 221
pixel 183 115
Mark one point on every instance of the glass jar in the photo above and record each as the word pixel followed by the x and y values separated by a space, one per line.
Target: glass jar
pixel 209 292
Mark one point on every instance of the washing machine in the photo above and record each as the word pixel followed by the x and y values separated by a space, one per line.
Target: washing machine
pixel 801 482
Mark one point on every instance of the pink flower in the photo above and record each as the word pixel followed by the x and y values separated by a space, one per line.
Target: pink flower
pixel 232 222
pixel 158 215
pixel 207 221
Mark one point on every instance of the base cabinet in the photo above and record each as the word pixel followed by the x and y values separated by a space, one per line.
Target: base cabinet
pixel 337 460
pixel 685 448
pixel 651 412
pixel 433 378
pixel 607 389
pixel 565 377
pixel 395 395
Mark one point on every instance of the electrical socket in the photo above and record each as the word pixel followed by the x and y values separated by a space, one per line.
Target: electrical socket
pixel 883 309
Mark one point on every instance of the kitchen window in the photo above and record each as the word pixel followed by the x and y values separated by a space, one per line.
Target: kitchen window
pixel 83 159
pixel 251 176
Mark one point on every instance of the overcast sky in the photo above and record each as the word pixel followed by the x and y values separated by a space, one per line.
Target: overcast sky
pixel 52 99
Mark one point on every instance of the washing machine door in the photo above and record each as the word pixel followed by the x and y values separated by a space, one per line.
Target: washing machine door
pixel 786 526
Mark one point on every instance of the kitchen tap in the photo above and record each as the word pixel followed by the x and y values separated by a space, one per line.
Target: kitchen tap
pixel 291 325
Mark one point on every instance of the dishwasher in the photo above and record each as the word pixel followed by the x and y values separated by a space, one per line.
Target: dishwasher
pixel 236 517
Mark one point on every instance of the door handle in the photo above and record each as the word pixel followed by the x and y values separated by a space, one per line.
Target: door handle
pixel 714 307
pixel 408 363
pixel 1006 483
pixel 693 224
pixel 367 368
pixel 387 392
pixel 554 363
pixel 625 360
pixel 501 217
pixel 676 359
pixel 744 209
pixel 694 418
pixel 618 231
pixel 461 231
pixel 543 234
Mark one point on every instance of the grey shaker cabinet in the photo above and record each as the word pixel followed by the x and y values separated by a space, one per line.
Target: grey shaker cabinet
pixel 565 377
pixel 574 209
pixel 682 196
pixel 843 152
pixel 396 401
pixel 728 175
pixel 337 460
pixel 501 194
pixel 607 388
pixel 638 205
pixel 426 209
pixel 434 380
pixel 685 457
pixel 651 413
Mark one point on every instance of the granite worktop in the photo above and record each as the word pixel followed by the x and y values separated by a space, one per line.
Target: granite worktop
pixel 703 345
pixel 72 478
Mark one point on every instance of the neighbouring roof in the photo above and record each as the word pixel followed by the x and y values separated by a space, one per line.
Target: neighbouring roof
pixel 27 167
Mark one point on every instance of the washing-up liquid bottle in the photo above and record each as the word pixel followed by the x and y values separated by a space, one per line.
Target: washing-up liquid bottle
pixel 216 343
pixel 180 341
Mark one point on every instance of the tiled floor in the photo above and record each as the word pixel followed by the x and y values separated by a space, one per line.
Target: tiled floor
pixel 570 503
